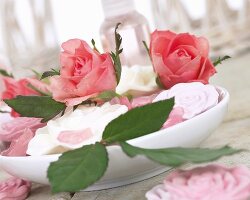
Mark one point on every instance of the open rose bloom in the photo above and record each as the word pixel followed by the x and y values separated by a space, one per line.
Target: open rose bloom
pixel 213 182
pixel 84 73
pixel 14 189
pixel 180 58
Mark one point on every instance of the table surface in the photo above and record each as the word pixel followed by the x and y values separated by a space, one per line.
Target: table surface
pixel 234 131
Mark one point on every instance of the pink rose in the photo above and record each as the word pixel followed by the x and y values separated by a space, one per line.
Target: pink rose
pixel 14 128
pixel 14 189
pixel 180 58
pixel 84 73
pixel 19 146
pixel 194 98
pixel 14 88
pixel 212 182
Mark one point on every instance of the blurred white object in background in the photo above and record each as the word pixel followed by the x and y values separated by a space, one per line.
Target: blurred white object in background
pixel 225 23
pixel 171 13
pixel 33 45
pixel 4 65
pixel 32 30
pixel 134 29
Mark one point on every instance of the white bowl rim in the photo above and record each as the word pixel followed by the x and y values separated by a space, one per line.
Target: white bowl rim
pixel 134 141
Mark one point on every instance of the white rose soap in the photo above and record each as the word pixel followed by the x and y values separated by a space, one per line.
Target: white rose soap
pixel 76 128
pixel 194 98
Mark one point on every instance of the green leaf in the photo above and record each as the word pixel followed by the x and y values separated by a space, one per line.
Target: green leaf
pixel 177 156
pixel 138 122
pixel 219 60
pixel 115 55
pixel 94 47
pixel 36 106
pixel 5 73
pixel 78 169
pixel 107 95
pixel 53 72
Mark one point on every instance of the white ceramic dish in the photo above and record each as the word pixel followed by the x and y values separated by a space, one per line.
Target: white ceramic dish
pixel 123 170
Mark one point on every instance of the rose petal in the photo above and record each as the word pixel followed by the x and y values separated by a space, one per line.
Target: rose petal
pixel 143 100
pixel 207 70
pixel 12 129
pixel 14 189
pixel 19 146
pixel 175 117
pixel 74 137
pixel 121 101
pixel 203 46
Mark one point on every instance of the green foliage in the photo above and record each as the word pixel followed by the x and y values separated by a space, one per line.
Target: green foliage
pixel 53 72
pixel 147 49
pixel 115 55
pixel 138 122
pixel 94 47
pixel 107 95
pixel 77 169
pixel 219 60
pixel 177 156
pixel 36 106
pixel 5 73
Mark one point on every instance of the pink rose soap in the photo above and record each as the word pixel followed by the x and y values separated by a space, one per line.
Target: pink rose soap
pixel 212 182
pixel 14 189
pixel 194 98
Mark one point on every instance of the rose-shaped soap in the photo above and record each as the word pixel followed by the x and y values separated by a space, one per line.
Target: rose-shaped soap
pixel 180 58
pixel 18 147
pixel 212 182
pixel 84 73
pixel 14 128
pixel 14 189
pixel 82 126
pixel 175 117
pixel 194 98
